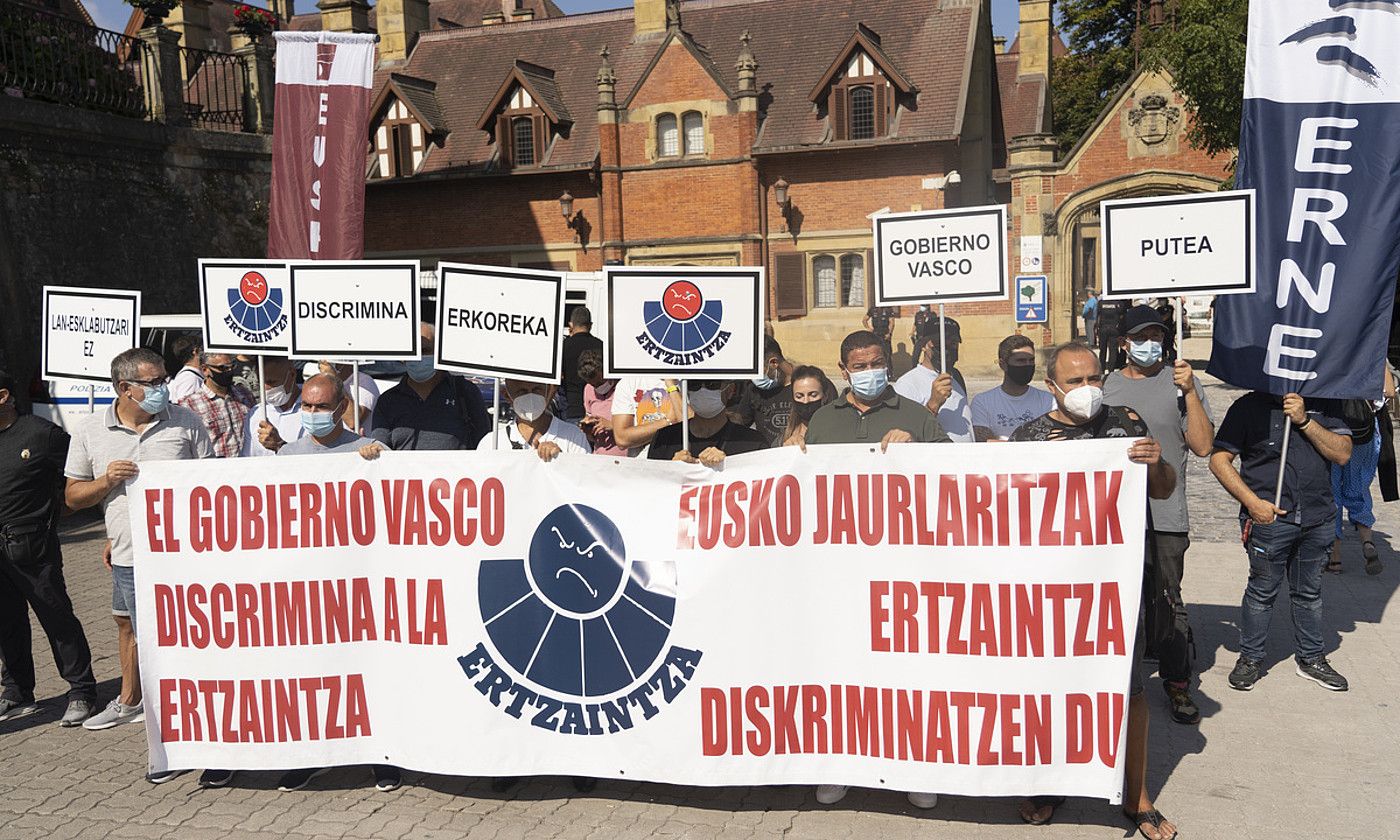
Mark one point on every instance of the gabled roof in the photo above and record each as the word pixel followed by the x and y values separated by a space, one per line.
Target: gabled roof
pixel 700 54
pixel 865 39
pixel 539 81
pixel 792 40
pixel 1025 106
pixel 418 95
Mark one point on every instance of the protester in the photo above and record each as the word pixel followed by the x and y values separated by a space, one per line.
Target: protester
pixel 765 403
pixel 1174 406
pixel 32 456
pixel 1091 317
pixel 867 412
pixel 880 320
pixel 534 426
pixel 943 393
pixel 139 426
pixel 1287 540
pixel 277 419
pixel 186 351
pixel 324 404
pixel 580 340
pixel 429 408
pixel 713 435
pixel 1110 322
pixel 643 406
pixel 1004 409
pixel 810 391
pixel 1076 379
pixel 923 319
pixel 245 373
pixel 1351 483
pixel 222 405
pixel 597 405
pixel 366 395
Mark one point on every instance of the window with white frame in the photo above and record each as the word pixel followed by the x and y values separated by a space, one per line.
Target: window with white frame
pixel 668 142
pixel 694 125
pixel 824 281
pixel 853 279
pixel 399 143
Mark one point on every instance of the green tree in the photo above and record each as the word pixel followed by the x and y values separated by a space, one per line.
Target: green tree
pixel 1202 44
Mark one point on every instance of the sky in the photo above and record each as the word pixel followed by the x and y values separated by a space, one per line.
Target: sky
pixel 113 14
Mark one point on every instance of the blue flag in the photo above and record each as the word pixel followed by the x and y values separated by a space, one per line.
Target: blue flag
pixel 1320 142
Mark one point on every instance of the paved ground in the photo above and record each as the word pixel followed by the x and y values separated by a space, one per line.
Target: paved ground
pixel 1285 760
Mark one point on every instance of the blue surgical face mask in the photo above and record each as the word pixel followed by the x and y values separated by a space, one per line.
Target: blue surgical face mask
pixel 869 384
pixel 420 370
pixel 157 398
pixel 318 423
pixel 765 383
pixel 1145 353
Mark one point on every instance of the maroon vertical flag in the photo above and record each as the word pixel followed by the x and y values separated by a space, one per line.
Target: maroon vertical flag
pixel 320 122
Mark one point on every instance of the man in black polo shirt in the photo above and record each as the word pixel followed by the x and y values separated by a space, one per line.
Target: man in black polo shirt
pixel 32 454
pixel 870 410
pixel 580 340
pixel 1289 540
pixel 428 409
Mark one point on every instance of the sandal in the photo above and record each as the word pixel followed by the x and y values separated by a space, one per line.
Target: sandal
pixel 1037 803
pixel 1334 562
pixel 1373 557
pixel 1152 817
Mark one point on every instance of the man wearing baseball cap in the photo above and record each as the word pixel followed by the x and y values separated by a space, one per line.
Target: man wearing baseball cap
pixel 1170 400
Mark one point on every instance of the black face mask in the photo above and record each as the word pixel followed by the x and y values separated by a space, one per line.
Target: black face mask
pixel 1020 374
pixel 804 411
pixel 222 378
pixel 936 358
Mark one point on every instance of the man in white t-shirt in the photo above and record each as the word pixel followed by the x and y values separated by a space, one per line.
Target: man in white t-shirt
pixel 643 406
pixel 1004 409
pixel 534 426
pixel 944 394
pixel 190 377
pixel 281 424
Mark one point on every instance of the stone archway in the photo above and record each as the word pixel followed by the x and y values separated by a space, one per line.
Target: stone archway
pixel 1076 227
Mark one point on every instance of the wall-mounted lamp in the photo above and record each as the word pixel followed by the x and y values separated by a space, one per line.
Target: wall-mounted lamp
pixel 566 206
pixel 784 201
pixel 575 222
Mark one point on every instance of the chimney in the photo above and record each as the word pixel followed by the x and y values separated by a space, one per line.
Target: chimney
pixel 399 22
pixel 1033 43
pixel 747 68
pixel 284 9
pixel 190 18
pixel 1156 15
pixel 344 15
pixel 522 15
pixel 999 44
pixel 648 18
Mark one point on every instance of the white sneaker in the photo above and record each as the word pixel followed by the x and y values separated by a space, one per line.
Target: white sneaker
pixel 116 714
pixel 831 794
pixel 923 800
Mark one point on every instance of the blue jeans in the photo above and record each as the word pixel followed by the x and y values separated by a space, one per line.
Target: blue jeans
pixel 1280 551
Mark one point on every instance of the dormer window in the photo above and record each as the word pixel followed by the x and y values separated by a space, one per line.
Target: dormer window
pixel 399 144
pixel 524 116
pixel 407 124
pixel 861 90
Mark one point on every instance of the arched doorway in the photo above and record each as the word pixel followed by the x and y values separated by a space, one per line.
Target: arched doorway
pixel 1077 242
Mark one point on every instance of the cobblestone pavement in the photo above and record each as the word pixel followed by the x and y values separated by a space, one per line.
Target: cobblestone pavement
pixel 1287 759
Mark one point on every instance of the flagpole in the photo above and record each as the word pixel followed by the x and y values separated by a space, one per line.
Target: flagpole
pixel 942 342
pixel 1282 462
pixel 495 413
pixel 355 374
pixel 262 389
pixel 685 415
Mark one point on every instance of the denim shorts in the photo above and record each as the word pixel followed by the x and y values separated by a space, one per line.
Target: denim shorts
pixel 124 593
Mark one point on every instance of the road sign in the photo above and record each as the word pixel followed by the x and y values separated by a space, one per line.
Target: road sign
pixel 1031 307
pixel 940 256
pixel 496 321
pixel 1168 246
pixel 363 310
pixel 85 328
pixel 684 323
pixel 245 306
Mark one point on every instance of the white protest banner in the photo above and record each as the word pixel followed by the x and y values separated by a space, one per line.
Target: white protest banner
pixel 496 321
pixel 937 618
pixel 1166 246
pixel 362 309
pixel 85 328
pixel 941 256
pixel 684 323
pixel 245 306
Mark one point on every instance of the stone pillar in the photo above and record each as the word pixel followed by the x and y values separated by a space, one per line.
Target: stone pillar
pixel 1033 44
pixel 747 68
pixel 165 87
pixel 1031 163
pixel 648 18
pixel 260 83
pixel 284 9
pixel 190 20
pixel 344 15
pixel 398 23
pixel 610 232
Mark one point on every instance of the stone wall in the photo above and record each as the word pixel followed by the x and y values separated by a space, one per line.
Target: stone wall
pixel 90 199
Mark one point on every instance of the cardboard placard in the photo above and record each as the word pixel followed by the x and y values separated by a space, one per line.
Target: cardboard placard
pixel 495 321
pixel 684 322
pixel 245 306
pixel 1165 246
pixel 85 328
pixel 941 256
pixel 365 310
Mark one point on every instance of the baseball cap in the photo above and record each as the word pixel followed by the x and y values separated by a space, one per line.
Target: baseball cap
pixel 1141 317
pixel 930 328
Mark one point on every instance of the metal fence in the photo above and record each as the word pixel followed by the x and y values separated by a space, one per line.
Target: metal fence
pixel 215 86
pixel 53 58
